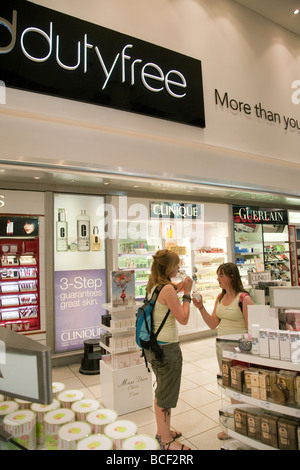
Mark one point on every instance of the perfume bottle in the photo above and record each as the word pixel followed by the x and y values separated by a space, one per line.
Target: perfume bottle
pixel 61 231
pixel 83 231
pixel 95 239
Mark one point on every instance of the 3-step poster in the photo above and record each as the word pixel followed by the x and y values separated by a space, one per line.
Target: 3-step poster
pixel 79 269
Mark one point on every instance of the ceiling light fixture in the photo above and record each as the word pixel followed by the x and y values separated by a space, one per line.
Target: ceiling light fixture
pixel 296 11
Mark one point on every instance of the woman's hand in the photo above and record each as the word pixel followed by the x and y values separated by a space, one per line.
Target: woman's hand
pixel 197 300
pixel 187 285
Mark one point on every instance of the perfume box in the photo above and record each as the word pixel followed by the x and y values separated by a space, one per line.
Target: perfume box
pixel 237 377
pixel 274 344
pixel 264 342
pixel 284 345
pixel 287 433
pixel 122 288
pixel 269 430
pixel 254 424
pixel 240 421
pixel 226 366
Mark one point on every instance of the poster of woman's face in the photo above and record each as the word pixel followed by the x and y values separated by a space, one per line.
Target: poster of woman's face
pixel 19 226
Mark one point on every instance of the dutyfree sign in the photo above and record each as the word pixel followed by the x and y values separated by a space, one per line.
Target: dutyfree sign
pixel 45 51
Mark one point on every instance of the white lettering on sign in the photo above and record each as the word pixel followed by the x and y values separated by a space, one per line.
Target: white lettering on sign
pixel 152 76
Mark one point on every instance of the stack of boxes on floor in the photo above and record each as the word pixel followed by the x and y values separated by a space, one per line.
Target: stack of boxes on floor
pixel 70 422
pixel 282 387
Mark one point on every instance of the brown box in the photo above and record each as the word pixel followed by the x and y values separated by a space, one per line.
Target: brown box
pixel 240 421
pixel 254 424
pixel 298 432
pixel 226 366
pixel 272 378
pixel 247 379
pixel 287 380
pixel 287 433
pixel 237 377
pixel 269 429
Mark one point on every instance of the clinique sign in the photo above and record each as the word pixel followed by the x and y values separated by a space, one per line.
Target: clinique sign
pixel 49 52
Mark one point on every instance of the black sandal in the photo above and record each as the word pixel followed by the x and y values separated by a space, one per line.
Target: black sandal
pixel 164 444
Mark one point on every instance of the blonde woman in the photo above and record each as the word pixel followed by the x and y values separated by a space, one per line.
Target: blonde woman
pixel 168 370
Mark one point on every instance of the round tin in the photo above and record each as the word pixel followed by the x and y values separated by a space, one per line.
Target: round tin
pixel 120 430
pixel 7 407
pixel 95 442
pixel 57 387
pixel 53 421
pixel 68 397
pixel 70 434
pixel 40 411
pixel 21 425
pixel 83 407
pixel 23 404
pixel 100 418
pixel 140 442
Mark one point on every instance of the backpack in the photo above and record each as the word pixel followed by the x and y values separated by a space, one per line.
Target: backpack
pixel 144 336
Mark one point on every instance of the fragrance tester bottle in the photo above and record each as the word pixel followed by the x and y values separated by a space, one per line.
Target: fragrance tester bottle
pixel 61 231
pixel 83 231
pixel 95 239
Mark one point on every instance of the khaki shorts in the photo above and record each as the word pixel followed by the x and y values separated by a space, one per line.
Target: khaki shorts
pixel 168 374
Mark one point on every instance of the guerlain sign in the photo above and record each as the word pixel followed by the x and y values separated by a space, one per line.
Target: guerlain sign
pixel 46 51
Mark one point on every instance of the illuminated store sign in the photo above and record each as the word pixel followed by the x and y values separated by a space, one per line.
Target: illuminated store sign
pixel 45 51
pixel 256 215
pixel 175 210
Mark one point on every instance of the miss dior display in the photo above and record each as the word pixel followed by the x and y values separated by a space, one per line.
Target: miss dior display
pixel 61 231
pixel 83 231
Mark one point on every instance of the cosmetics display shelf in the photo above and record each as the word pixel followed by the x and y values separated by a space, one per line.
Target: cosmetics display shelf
pixel 246 399
pixel 206 262
pixel 293 242
pixel 19 283
pixel 126 385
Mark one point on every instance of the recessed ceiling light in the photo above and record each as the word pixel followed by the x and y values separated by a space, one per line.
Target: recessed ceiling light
pixel 106 183
pixel 136 186
pixel 36 177
pixel 296 11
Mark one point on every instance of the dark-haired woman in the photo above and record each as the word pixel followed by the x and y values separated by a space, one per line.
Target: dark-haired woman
pixel 227 314
pixel 168 370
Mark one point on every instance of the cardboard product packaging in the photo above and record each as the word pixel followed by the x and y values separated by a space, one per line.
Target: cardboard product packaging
pixel 269 429
pixel 237 377
pixel 287 433
pixel 264 350
pixel 298 432
pixel 254 424
pixel 226 366
pixel 284 345
pixel 240 421
pixel 274 344
pixel 287 379
pixel 247 379
pixel 272 379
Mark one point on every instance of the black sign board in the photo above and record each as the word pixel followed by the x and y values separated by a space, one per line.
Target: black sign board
pixel 45 51
pixel 258 215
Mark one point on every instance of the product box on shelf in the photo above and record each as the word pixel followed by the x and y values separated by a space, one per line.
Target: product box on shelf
pixel 269 429
pixel 287 433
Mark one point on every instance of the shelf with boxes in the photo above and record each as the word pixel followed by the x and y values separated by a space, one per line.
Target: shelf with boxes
pixel 126 384
pixel 19 284
pixel 206 260
pixel 269 416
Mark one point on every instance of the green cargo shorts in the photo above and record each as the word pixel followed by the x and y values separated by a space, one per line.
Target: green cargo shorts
pixel 168 374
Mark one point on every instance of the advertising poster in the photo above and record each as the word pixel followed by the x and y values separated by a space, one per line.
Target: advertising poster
pixel 79 269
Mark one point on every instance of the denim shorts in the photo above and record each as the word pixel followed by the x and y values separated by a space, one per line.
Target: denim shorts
pixel 168 374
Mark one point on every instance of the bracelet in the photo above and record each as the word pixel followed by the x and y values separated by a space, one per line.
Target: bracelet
pixel 185 299
pixel 201 307
pixel 188 297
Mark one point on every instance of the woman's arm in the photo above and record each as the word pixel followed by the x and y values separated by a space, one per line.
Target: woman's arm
pixel 212 320
pixel 168 296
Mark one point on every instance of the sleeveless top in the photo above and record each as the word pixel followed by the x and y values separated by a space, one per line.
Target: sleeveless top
pixel 231 318
pixel 169 332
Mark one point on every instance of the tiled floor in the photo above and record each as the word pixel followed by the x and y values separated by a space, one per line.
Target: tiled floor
pixel 196 415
